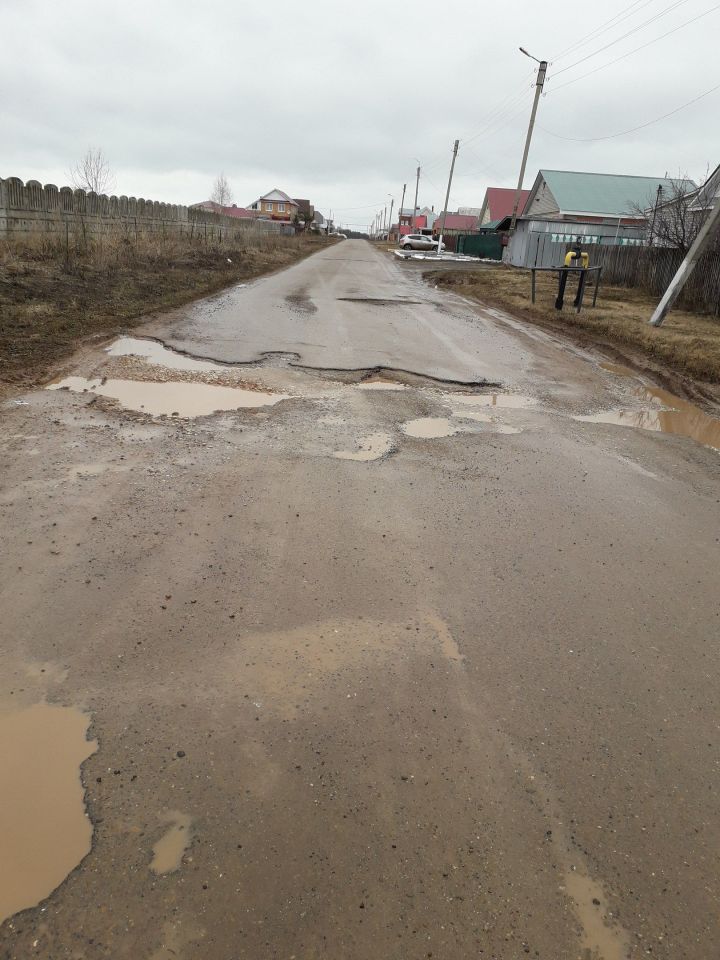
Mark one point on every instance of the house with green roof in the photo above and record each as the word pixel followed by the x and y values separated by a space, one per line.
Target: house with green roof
pixel 597 197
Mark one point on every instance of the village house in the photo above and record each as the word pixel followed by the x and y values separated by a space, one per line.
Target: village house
pixel 276 205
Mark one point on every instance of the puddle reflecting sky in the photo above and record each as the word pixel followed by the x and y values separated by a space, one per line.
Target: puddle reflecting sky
pixel 171 398
pixel 161 355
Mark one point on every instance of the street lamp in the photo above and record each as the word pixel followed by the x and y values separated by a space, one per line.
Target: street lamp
pixel 542 69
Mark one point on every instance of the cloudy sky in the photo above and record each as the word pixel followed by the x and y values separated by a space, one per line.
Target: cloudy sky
pixel 334 100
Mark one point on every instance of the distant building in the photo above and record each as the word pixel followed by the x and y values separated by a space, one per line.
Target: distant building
pixel 276 205
pixel 455 223
pixel 498 203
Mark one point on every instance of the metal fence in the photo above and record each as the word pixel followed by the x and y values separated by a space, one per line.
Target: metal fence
pixel 652 268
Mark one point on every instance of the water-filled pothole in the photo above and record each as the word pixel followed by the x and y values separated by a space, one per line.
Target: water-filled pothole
pixel 429 428
pixel 170 848
pixel 666 413
pixel 44 830
pixel 160 355
pixel 171 398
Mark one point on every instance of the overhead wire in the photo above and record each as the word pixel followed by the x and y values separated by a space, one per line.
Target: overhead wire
pixel 603 28
pixel 629 53
pixel 640 126
pixel 640 26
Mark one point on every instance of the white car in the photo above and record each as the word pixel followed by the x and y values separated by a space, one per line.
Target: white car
pixel 419 241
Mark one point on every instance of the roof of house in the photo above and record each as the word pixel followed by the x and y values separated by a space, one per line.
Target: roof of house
pixel 278 195
pixel 457 221
pixel 500 201
pixel 603 194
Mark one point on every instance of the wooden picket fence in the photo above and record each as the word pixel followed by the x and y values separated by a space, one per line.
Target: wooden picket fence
pixel 652 268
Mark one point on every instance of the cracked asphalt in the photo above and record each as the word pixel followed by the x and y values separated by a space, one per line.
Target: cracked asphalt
pixel 360 688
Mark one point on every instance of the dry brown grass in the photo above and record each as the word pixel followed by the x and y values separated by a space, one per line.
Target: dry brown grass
pixel 52 296
pixel 687 343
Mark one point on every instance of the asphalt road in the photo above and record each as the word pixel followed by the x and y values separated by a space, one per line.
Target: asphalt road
pixel 457 701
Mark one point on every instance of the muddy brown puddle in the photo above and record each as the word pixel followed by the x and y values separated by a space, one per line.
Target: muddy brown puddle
pixel 157 353
pixel 44 829
pixel 170 848
pixel 664 413
pixel 171 398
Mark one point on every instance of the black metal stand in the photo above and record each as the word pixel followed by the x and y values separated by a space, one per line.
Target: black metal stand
pixel 562 273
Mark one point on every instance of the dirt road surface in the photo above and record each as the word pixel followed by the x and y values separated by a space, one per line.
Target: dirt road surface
pixel 409 651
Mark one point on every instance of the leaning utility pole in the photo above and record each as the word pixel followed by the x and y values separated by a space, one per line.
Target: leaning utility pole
pixel 689 263
pixel 542 69
pixel 392 203
pixel 447 195
pixel 402 203
pixel 417 186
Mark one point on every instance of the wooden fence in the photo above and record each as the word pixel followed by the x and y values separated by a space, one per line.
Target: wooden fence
pixel 652 268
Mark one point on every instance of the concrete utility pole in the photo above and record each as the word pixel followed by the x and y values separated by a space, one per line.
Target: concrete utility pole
pixel 417 187
pixel 447 195
pixel 688 265
pixel 384 221
pixel 542 70
pixel 392 203
pixel 402 204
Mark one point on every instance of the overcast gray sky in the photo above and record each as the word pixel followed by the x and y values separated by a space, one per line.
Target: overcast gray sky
pixel 333 100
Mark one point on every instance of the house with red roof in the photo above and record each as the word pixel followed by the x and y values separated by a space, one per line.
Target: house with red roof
pixel 498 204
pixel 455 223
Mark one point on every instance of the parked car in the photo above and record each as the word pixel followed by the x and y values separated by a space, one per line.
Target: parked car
pixel 419 241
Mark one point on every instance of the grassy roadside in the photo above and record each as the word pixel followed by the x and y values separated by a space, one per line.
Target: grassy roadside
pixel 50 300
pixel 688 344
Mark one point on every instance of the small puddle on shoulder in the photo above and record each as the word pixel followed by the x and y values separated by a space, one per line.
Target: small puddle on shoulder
pixel 170 849
pixel 171 398
pixel 373 447
pixel 44 829
pixel 618 369
pixel 679 417
pixel 601 938
pixel 429 428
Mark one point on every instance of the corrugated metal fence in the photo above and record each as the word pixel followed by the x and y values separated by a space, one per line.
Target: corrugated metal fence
pixel 652 268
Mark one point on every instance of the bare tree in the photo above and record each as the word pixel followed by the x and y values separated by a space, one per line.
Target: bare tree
pixel 93 172
pixel 221 192
pixel 674 215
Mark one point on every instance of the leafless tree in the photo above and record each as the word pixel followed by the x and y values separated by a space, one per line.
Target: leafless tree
pixel 93 172
pixel 674 215
pixel 221 192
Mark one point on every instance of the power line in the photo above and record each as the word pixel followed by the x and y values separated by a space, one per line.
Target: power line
pixel 635 50
pixel 603 28
pixel 657 16
pixel 641 126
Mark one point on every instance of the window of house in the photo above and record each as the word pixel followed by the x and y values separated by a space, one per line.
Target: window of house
pixel 281 208
pixel 268 206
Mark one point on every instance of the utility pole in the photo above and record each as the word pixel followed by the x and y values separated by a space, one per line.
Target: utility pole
pixel 542 70
pixel 447 195
pixel 402 203
pixel 654 216
pixel 384 220
pixel 392 202
pixel 688 265
pixel 417 185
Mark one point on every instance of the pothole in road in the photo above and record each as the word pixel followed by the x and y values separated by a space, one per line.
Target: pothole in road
pixel 170 849
pixel 171 398
pixel 504 401
pixel 429 428
pixel 373 447
pixel 599 938
pixel 160 355
pixel 44 829
pixel 378 384
pixel 668 414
